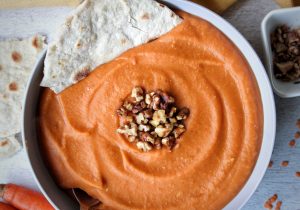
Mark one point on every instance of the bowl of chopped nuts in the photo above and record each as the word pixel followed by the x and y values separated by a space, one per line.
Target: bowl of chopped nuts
pixel 281 40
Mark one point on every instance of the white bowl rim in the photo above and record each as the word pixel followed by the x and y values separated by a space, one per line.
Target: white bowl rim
pixel 265 90
pixel 268 52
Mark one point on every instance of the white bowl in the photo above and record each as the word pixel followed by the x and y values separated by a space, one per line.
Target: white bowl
pixel 290 17
pixel 58 197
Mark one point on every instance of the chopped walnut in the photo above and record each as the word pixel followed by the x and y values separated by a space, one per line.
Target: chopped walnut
pixel 163 131
pixel 183 114
pixel 178 131
pixel 151 120
pixel 285 44
pixel 128 105
pixel 128 130
pixel 145 146
pixel 137 93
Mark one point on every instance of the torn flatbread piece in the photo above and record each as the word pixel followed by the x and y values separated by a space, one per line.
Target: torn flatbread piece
pixel 97 32
pixel 17 59
pixel 9 146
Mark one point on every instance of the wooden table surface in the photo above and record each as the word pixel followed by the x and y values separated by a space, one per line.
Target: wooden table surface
pixel 246 16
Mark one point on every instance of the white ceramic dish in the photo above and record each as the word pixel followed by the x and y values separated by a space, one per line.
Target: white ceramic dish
pixel 60 200
pixel 290 17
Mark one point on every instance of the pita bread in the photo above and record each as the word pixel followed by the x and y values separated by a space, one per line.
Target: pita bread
pixel 99 31
pixel 17 58
pixel 9 146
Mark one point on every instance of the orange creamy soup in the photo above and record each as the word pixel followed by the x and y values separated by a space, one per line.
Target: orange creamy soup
pixel 204 71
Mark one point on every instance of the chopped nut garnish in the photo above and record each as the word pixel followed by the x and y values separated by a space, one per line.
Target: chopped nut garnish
pixel 145 146
pixel 148 99
pixel 151 120
pixel 128 130
pixel 178 131
pixel 183 114
pixel 137 93
pixel 163 131
pixel 128 105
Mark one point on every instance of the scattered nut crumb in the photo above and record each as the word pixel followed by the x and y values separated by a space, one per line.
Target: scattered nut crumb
pixel 137 93
pixel 269 203
pixel 1 67
pixel 297 135
pixel 298 123
pixel 151 120
pixel 292 143
pixel 16 56
pixel 297 174
pixel 278 205
pixel 270 164
pixel 284 163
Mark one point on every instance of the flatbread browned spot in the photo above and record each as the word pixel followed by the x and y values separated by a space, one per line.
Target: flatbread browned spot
pixel 284 163
pixel 123 41
pixel 3 143
pixel 35 42
pixel 13 86
pixel 78 44
pixel 146 16
pixel 292 143
pixel 82 74
pixel 161 5
pixel 16 56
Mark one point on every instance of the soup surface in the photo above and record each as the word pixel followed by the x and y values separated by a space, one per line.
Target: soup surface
pixel 204 71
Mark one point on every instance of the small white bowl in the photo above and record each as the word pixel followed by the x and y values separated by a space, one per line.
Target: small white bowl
pixel 291 18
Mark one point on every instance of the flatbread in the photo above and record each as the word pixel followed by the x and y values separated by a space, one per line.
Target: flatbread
pixel 17 58
pixel 9 146
pixel 97 32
